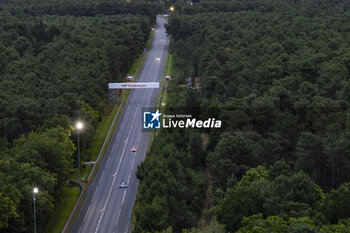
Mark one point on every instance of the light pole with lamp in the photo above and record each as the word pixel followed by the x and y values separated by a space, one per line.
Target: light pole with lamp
pixel 79 126
pixel 35 191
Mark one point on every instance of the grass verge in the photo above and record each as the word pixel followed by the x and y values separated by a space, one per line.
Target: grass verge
pixel 170 65
pixel 63 209
pixel 99 138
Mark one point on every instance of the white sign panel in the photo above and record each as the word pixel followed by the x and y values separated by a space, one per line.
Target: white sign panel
pixel 133 85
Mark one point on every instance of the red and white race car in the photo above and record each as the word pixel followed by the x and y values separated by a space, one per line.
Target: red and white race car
pixel 133 148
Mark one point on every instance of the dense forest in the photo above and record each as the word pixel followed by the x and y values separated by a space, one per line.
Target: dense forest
pixel 55 62
pixel 278 74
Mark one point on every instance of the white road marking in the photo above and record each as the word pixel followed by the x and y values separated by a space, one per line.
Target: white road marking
pixel 86 213
pixel 123 197
pixel 107 161
pixel 101 176
pixel 132 165
pixel 79 230
pixel 129 177
pixel 138 141
pixel 153 63
pixel 94 194
pixel 102 211
pixel 118 217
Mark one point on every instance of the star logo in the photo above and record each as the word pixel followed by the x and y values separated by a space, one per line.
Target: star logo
pixel 151 120
pixel 156 115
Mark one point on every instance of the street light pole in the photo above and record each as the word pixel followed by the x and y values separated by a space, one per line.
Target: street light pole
pixel 35 190
pixel 79 126
pixel 78 155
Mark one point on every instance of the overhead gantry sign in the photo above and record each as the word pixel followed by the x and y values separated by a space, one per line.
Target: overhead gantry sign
pixel 133 85
pixel 113 87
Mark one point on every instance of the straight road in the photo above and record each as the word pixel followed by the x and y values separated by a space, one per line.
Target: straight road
pixel 107 208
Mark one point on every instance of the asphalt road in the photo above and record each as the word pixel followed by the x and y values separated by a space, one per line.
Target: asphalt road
pixel 107 208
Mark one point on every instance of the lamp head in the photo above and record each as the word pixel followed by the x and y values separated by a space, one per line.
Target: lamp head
pixel 79 125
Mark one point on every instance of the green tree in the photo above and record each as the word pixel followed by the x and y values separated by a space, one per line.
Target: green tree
pixel 343 226
pixel 233 156
pixel 335 204
pixel 293 196
pixel 311 157
pixel 50 150
pixel 256 223
pixel 244 199
pixel 7 209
